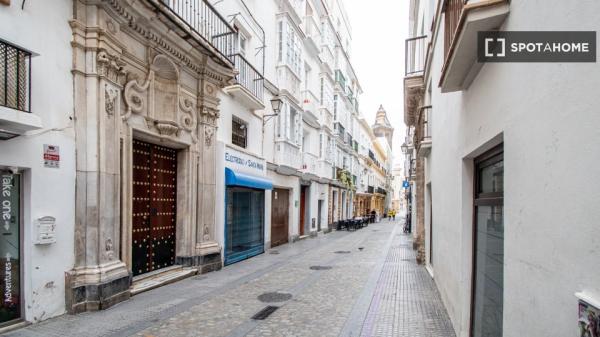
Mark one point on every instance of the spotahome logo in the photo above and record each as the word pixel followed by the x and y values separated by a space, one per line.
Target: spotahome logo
pixel 521 46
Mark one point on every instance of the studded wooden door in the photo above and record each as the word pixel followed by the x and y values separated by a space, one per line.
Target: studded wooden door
pixel 154 207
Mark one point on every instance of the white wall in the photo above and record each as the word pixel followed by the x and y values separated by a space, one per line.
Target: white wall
pixel 47 191
pixel 546 116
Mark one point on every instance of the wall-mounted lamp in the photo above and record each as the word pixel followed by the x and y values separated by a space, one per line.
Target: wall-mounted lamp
pixel 276 104
pixel 404 148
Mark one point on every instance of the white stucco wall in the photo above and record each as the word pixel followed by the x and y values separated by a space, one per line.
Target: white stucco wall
pixel 46 191
pixel 546 116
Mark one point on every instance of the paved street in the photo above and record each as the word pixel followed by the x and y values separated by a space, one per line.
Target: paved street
pixel 341 284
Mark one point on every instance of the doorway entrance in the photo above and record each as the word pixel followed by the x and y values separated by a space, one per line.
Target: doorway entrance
pixel 154 207
pixel 279 216
pixel 302 222
pixel 488 245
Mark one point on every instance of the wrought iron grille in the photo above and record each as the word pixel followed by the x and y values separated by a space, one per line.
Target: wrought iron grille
pixel 15 77
pixel 239 132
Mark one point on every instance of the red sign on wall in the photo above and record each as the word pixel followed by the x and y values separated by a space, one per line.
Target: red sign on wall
pixel 51 156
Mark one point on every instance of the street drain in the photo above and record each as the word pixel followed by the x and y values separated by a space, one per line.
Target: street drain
pixel 274 252
pixel 265 312
pixel 342 252
pixel 361 248
pixel 274 297
pixel 320 267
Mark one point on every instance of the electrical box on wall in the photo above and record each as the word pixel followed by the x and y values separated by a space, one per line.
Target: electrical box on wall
pixel 46 230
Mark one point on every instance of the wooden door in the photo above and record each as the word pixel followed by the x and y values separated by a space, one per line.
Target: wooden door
pixel 302 210
pixel 279 216
pixel 154 207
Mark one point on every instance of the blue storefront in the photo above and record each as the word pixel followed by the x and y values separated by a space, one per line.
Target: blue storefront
pixel 244 211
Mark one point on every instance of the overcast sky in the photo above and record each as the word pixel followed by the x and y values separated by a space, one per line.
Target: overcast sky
pixel 379 28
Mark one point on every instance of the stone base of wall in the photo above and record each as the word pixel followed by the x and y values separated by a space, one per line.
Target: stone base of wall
pixel 93 297
pixel 313 234
pixel 204 263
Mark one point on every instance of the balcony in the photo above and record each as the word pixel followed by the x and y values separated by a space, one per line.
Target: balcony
pixel 415 59
pixel 413 169
pixel 310 163
pixel 462 22
pixel 381 191
pixel 340 79
pixel 288 157
pixel 312 32
pixel 415 49
pixel 288 81
pixel 327 59
pixel 324 170
pixel 202 22
pixel 424 134
pixel 15 92
pixel 370 189
pixel 249 88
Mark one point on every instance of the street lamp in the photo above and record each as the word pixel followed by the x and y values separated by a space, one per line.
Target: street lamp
pixel 276 107
pixel 404 148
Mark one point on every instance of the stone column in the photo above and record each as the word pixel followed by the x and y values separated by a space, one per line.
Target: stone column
pixel 208 251
pixel 99 279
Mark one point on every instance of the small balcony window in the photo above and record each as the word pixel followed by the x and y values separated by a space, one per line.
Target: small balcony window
pixel 239 132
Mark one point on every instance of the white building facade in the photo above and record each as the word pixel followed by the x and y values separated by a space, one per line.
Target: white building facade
pixel 37 160
pixel 506 203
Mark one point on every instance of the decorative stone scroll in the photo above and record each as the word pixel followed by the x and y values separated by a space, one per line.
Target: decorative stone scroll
pixel 111 67
pixel 161 100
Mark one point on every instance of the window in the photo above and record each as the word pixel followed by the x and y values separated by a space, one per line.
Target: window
pixel 488 245
pixel 290 47
pixel 293 129
pixel 239 132
pixel 321 145
pixel 335 105
pixel 242 41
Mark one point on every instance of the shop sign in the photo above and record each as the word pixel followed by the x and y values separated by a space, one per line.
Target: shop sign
pixel 9 247
pixel 51 156
pixel 243 162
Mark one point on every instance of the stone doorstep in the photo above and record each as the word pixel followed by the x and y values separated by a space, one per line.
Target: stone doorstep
pixel 160 278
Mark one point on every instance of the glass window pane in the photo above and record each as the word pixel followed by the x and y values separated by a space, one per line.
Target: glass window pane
pixel 245 220
pixel 491 178
pixel 489 272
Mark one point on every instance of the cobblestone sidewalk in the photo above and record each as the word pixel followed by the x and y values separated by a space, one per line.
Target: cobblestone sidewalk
pixel 340 284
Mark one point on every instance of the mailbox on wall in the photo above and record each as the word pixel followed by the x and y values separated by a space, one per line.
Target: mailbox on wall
pixel 46 230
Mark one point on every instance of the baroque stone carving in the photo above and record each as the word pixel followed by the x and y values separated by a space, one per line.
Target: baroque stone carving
pixel 111 67
pixel 135 95
pixel 166 128
pixel 110 99
pixel 108 247
pixel 188 120
pixel 208 134
pixel 209 115
pixel 205 233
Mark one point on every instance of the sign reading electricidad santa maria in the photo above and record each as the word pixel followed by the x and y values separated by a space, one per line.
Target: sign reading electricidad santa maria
pixel 244 162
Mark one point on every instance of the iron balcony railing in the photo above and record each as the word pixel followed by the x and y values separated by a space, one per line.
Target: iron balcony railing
pixel 425 115
pixel 415 50
pixel 381 191
pixel 370 189
pixel 452 10
pixel 205 20
pixel 15 77
pixel 248 76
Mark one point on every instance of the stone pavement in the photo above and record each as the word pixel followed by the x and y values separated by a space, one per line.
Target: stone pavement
pixel 341 284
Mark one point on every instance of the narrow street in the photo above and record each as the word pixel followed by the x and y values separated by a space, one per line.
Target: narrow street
pixel 362 283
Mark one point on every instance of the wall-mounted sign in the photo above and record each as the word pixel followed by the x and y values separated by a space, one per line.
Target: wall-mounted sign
pixel 405 184
pixel 51 156
pixel 10 299
pixel 243 162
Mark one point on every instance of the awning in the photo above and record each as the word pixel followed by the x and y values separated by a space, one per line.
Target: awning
pixel 246 180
